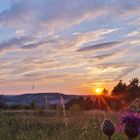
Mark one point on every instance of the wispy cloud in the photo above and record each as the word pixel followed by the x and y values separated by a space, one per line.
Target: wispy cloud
pixel 129 69
pixel 61 14
pixel 12 43
pixel 69 45
pixel 103 56
pixel 106 45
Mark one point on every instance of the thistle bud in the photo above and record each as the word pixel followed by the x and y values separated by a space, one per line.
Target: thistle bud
pixel 108 127
pixel 130 124
pixel 131 130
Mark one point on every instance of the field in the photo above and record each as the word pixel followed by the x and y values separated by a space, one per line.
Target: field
pixel 39 125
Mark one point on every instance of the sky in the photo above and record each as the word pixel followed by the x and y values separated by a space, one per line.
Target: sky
pixel 68 46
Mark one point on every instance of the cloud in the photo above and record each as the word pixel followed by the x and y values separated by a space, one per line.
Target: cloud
pixel 133 34
pixel 135 42
pixel 48 13
pixel 127 7
pixel 12 43
pixel 103 56
pixel 30 42
pixel 46 46
pixel 33 15
pixel 18 14
pixel 129 69
pixel 23 42
pixel 18 42
pixel 100 46
pixel 120 70
pixel 33 45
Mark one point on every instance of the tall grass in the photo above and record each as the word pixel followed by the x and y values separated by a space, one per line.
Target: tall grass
pixel 42 127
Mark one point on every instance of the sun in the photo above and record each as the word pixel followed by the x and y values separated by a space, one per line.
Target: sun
pixel 98 91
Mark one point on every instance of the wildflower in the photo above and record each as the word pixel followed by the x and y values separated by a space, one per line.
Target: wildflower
pixel 130 124
pixel 108 127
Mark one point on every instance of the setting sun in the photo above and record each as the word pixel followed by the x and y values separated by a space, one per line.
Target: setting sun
pixel 99 91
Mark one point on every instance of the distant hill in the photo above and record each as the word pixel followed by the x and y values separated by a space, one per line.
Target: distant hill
pixel 39 98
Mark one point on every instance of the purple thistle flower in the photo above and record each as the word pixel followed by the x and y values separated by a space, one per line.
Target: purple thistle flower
pixel 130 118
pixel 130 123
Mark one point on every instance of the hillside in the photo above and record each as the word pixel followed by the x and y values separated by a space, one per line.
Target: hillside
pixel 40 98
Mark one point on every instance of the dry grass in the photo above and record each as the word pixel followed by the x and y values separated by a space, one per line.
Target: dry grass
pixel 35 126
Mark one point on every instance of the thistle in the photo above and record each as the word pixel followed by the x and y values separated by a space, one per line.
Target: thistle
pixel 130 124
pixel 108 128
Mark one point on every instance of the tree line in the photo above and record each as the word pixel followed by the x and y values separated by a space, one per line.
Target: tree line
pixel 120 97
pixel 127 92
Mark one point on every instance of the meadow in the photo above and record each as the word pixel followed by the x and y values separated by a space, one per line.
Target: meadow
pixel 40 125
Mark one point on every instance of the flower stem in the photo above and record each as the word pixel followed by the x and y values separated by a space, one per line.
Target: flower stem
pixel 109 137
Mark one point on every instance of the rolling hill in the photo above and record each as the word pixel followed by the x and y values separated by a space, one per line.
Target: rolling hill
pixel 40 98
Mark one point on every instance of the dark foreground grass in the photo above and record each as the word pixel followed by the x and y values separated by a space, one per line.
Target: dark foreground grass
pixel 41 127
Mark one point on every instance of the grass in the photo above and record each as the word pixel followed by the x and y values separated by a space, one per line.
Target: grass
pixel 37 126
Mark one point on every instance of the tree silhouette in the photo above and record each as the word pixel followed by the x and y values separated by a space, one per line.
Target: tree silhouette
pixel 120 88
pixel 127 92
pixel 133 89
pixel 105 91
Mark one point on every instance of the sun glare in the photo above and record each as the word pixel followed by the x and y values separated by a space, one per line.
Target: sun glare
pixel 98 91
